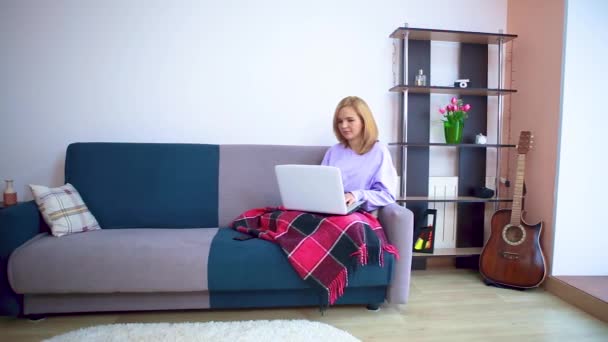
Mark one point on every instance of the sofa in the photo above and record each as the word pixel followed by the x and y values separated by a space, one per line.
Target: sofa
pixel 165 243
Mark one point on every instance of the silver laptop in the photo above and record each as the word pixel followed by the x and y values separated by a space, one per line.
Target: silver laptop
pixel 313 188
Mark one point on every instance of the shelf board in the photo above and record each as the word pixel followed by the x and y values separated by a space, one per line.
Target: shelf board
pixel 459 199
pixel 439 252
pixel 452 36
pixel 452 145
pixel 451 90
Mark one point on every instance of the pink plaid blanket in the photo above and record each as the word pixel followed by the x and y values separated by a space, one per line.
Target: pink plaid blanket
pixel 322 249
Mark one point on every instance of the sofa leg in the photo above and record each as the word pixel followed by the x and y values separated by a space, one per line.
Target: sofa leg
pixel 373 307
pixel 35 317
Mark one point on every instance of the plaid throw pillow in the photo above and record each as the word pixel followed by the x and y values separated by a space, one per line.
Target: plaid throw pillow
pixel 63 209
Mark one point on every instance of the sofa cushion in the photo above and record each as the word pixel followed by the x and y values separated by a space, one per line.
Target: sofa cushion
pixel 63 209
pixel 106 261
pixel 136 185
pixel 258 264
pixel 247 179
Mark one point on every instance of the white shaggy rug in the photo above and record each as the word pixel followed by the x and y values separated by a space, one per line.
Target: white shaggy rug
pixel 276 330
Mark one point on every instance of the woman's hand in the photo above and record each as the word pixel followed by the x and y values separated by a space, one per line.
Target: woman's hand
pixel 349 198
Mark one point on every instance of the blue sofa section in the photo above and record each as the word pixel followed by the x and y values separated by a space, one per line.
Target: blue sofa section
pixel 165 210
pixel 129 185
pixel 18 224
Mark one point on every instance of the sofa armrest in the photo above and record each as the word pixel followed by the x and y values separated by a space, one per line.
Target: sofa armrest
pixel 398 223
pixel 18 224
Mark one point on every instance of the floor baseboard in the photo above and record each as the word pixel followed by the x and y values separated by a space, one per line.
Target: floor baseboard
pixel 581 299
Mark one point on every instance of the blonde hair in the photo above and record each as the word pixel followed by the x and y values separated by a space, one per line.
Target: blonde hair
pixel 370 130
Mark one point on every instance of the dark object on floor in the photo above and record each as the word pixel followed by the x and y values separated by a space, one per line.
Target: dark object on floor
pixel 502 286
pixel 373 307
pixel 36 317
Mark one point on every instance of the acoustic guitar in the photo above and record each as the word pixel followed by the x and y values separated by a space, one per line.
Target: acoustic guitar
pixel 513 256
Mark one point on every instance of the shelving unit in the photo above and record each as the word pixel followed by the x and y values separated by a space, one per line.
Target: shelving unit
pixel 450 145
pixel 446 252
pixel 414 144
pixel 450 90
pixel 451 36
pixel 457 199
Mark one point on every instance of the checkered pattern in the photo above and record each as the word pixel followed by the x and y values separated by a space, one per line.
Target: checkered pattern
pixel 322 249
pixel 63 209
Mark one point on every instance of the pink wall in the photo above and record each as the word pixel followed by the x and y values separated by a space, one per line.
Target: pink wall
pixel 536 74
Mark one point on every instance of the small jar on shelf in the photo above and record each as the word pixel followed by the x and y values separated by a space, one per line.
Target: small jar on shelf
pixel 420 79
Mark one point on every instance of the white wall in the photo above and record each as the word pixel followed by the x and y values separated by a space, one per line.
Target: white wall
pixel 219 72
pixel 581 228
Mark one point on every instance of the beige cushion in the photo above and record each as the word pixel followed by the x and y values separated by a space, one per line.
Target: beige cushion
pixel 63 209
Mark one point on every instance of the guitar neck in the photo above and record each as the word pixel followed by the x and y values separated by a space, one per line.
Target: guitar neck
pixel 518 190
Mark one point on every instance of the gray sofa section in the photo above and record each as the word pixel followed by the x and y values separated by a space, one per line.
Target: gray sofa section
pixel 247 179
pixel 113 260
pixel 134 301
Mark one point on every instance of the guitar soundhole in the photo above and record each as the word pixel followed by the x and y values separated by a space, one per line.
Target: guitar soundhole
pixel 513 235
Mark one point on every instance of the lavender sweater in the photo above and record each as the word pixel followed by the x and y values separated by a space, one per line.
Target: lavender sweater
pixel 370 177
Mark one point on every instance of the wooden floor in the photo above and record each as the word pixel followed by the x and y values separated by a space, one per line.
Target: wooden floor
pixel 445 305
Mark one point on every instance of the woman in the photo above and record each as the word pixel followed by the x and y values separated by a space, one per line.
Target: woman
pixel 367 169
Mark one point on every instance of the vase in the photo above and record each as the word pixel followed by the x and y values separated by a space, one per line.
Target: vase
pixel 453 131
pixel 9 196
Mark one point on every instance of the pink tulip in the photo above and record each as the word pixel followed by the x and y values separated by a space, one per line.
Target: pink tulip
pixel 466 107
pixel 441 110
pixel 454 100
